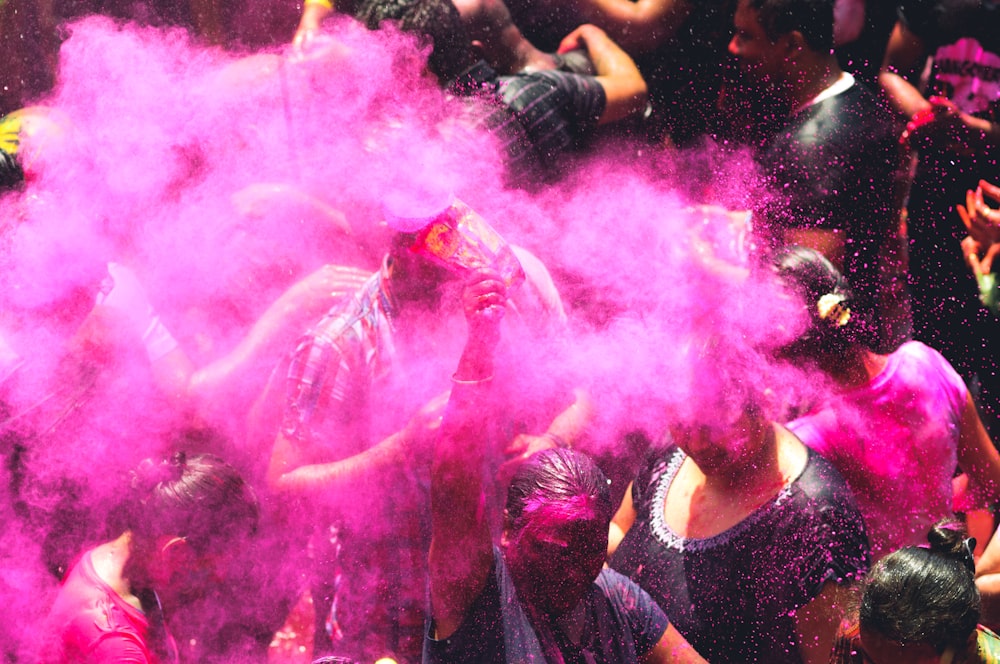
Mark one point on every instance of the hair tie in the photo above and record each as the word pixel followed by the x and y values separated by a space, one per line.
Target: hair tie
pixel 968 555
pixel 832 308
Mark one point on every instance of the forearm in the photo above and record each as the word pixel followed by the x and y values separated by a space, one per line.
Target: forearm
pixel 314 13
pixel 903 97
pixel 313 479
pixel 625 88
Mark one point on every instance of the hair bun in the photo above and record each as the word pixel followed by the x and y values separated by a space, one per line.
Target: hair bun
pixel 950 538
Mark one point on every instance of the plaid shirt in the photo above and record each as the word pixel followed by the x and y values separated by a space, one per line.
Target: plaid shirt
pixel 332 369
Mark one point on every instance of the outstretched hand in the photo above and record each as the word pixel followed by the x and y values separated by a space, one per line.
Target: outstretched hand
pixel 983 224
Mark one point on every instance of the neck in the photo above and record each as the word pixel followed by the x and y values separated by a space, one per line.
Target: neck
pixel 856 367
pixel 760 474
pixel 114 564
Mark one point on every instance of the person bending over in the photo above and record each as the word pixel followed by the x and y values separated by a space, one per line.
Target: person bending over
pixel 186 518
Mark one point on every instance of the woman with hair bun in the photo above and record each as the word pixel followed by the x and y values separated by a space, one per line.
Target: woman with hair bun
pixel 921 605
pixel 186 518
pixel 897 425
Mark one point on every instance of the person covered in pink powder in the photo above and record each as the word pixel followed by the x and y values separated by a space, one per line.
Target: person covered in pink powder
pixel 745 537
pixel 185 520
pixel 543 594
pixel 896 426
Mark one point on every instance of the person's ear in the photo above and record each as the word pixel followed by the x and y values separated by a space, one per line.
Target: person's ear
pixel 176 554
pixel 794 44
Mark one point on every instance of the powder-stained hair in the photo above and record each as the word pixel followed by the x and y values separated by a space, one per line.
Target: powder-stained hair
pixel 201 498
pixel 920 595
pixel 558 479
pixel 435 21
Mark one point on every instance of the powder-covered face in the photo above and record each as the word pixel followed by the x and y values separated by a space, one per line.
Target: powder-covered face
pixel 417 279
pixel 554 558
pixel 724 445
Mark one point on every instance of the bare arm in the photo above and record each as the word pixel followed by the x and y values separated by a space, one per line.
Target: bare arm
pixel 639 26
pixel 302 304
pixel 461 553
pixel 288 473
pixel 977 455
pixel 672 648
pixel 622 521
pixel 904 57
pixel 624 87
pixel 817 622
pixel 313 14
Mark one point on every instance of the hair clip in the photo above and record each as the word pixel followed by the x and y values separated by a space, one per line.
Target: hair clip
pixel 968 547
pixel 831 307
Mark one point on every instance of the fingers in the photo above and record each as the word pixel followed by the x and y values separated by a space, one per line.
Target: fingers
pixel 570 42
pixel 990 190
pixel 963 213
pixel 975 264
pixel 986 264
pixel 983 211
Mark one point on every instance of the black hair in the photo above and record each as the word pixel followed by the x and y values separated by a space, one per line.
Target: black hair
pixel 920 595
pixel 812 277
pixel 813 18
pixel 201 498
pixel 559 478
pixel 436 21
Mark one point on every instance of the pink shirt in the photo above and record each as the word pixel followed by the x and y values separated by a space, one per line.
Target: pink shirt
pixel 895 441
pixel 89 622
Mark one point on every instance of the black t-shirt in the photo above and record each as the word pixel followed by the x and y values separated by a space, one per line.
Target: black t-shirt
pixel 832 167
pixel 615 622
pixel 733 595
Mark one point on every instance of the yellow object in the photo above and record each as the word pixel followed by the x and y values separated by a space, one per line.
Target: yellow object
pixel 832 308
pixel 323 3
pixel 10 133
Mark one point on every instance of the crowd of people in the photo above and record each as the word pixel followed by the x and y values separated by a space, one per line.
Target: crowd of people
pixel 464 331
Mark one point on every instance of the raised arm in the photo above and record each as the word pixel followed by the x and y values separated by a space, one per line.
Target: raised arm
pixel 461 553
pixel 624 87
pixel 904 58
pixel 313 14
pixel 977 455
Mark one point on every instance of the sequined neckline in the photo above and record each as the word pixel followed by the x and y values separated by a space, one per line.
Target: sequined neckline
pixel 665 534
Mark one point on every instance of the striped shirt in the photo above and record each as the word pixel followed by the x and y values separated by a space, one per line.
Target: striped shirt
pixel 333 367
pixel 538 116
